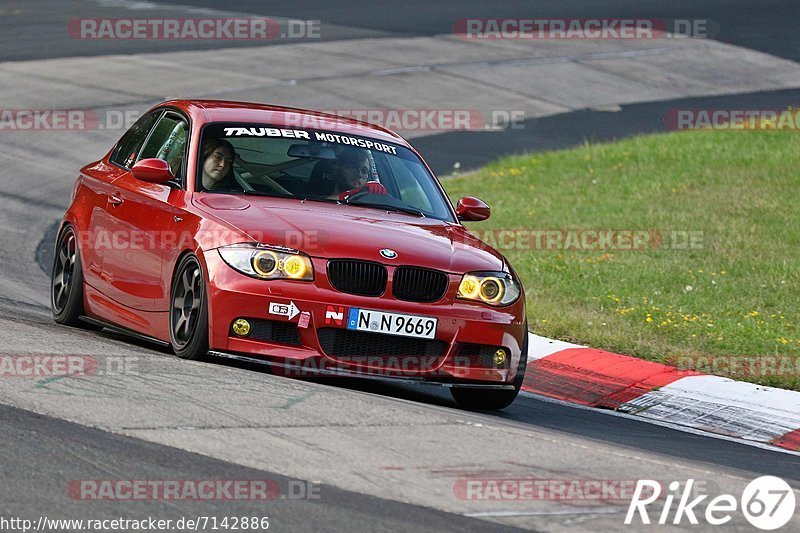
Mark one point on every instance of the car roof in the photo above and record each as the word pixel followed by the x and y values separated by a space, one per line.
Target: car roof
pixel 204 111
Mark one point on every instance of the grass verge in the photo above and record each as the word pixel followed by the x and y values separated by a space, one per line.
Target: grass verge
pixel 716 287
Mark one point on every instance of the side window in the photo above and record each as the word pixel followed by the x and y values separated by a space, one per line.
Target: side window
pixel 128 147
pixel 168 142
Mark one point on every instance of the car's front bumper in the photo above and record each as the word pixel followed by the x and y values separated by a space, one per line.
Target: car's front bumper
pixel 460 324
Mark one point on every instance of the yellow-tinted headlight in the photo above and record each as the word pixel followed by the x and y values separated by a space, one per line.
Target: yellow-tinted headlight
pixel 492 288
pixel 469 287
pixel 295 266
pixel 268 262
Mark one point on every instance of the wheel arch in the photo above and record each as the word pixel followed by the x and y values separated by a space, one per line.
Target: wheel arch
pixel 199 254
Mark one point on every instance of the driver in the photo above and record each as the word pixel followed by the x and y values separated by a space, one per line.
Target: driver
pixel 217 157
pixel 353 173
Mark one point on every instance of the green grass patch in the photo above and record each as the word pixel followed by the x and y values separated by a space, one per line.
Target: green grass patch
pixel 733 296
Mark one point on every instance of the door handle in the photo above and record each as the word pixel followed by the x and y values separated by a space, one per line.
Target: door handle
pixel 115 200
pixel 176 218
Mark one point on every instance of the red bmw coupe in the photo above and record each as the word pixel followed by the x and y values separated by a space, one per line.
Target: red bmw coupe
pixel 306 241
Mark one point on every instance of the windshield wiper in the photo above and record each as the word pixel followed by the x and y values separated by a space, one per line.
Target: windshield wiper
pixel 390 207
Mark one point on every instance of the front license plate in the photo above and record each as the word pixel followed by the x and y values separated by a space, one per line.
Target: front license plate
pixel 421 327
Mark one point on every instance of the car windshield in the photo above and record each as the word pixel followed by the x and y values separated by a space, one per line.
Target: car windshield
pixel 317 165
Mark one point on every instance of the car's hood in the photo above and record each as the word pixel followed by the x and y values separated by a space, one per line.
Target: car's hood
pixel 342 231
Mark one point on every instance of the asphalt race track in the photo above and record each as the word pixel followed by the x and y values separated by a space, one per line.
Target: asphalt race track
pixel 365 455
pixel 766 25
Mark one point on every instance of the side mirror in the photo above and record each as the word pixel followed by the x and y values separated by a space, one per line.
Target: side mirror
pixel 152 171
pixel 471 209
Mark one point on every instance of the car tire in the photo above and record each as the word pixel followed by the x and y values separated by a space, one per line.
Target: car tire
pixel 188 312
pixel 66 281
pixel 476 399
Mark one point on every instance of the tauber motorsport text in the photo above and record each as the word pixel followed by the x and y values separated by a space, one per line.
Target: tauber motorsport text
pixel 318 135
pixel 767 502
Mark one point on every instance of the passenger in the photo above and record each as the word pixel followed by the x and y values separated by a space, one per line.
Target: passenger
pixel 353 173
pixel 217 157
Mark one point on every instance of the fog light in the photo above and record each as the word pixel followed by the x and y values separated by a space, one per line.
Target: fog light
pixel 500 357
pixel 242 328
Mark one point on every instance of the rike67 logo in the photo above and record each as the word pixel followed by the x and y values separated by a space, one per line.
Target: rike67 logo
pixel 767 502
